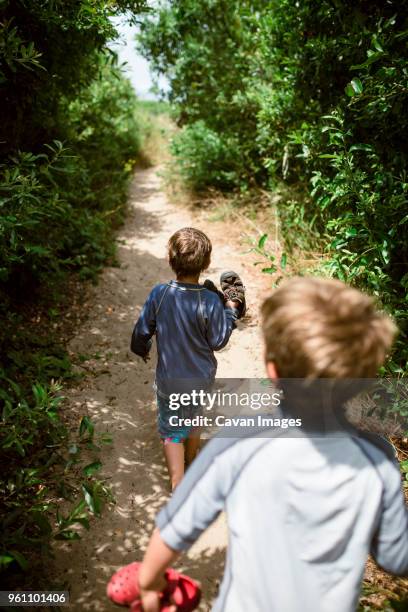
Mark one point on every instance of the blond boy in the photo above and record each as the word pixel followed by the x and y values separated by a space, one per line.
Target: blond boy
pixel 303 512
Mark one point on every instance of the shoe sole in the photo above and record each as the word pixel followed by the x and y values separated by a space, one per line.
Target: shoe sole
pixel 234 277
pixel 225 276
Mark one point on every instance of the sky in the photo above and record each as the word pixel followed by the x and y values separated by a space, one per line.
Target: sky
pixel 137 68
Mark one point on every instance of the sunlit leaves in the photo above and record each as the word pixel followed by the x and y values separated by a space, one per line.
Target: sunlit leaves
pixel 312 95
pixel 354 88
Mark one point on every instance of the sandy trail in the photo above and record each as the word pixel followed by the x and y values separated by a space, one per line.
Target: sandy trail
pixel 117 393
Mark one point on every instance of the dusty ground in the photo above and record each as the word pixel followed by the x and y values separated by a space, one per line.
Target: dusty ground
pixel 118 394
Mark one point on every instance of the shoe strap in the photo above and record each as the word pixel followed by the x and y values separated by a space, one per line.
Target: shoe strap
pixel 233 294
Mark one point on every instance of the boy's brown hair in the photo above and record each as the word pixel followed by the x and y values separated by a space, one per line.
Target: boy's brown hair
pixel 322 328
pixel 189 251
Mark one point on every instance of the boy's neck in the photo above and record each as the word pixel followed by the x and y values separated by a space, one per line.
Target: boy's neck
pixel 190 280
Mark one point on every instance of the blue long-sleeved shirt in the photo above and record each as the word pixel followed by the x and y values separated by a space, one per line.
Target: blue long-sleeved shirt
pixel 190 323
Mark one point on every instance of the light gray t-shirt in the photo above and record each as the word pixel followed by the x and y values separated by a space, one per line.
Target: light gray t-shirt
pixel 303 513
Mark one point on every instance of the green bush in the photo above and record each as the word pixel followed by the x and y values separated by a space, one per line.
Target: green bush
pixel 309 96
pixel 206 51
pixel 79 187
pixel 203 157
pixel 35 473
pixel 69 138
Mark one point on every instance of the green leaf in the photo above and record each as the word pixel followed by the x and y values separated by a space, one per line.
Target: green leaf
pixel 355 87
pixel 92 499
pixel 283 261
pixel 77 511
pixel 92 468
pixel 21 560
pixel 106 438
pixel 361 147
pixel 5 560
pixel 349 90
pixel 324 202
pixel 404 466
pixel 373 56
pixel 68 534
pixel 270 270
pixel 262 240
pixel 376 44
pixel 86 425
pixel 88 498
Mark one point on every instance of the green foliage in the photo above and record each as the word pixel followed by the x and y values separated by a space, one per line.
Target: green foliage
pixel 308 95
pixel 404 470
pixel 205 49
pixel 80 187
pixel 268 259
pixel 203 157
pixel 49 48
pixel 36 469
pixel 69 138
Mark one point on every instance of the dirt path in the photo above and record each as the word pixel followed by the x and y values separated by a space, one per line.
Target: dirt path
pixel 118 394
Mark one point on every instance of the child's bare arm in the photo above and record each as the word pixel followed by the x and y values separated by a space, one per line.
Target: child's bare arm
pixel 157 558
pixel 195 504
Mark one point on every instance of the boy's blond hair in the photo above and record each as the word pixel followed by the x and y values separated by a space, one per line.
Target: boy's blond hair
pixel 322 328
pixel 189 251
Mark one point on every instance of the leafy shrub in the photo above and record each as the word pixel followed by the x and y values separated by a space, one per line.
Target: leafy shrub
pixel 34 470
pixel 203 157
pixel 312 97
pixel 80 188
pixel 50 49
pixel 69 139
pixel 206 51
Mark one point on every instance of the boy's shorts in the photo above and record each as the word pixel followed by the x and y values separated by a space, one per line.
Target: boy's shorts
pixel 178 432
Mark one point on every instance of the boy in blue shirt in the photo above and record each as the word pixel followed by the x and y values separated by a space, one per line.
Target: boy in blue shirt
pixel 190 322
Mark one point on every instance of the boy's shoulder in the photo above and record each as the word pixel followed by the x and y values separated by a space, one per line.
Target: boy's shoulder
pixel 376 447
pixel 211 300
pixel 158 289
pixel 236 452
pixel 382 456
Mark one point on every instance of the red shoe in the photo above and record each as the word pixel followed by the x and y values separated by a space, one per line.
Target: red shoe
pixel 181 590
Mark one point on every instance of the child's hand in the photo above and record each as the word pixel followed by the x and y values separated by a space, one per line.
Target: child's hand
pixel 151 601
pixel 232 304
